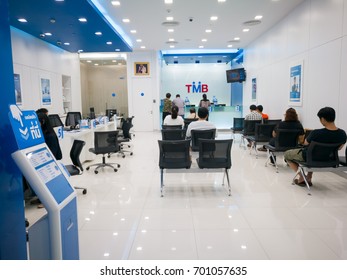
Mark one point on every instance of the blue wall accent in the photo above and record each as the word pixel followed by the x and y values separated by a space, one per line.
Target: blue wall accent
pixel 236 94
pixel 12 221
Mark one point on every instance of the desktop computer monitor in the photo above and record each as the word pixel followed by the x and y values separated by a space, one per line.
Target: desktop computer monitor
pixel 73 119
pixel 110 113
pixel 55 120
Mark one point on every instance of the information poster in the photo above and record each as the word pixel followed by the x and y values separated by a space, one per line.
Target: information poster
pixel 46 92
pixel 17 89
pixel 296 76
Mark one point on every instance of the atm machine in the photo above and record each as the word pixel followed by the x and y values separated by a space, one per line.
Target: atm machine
pixel 55 235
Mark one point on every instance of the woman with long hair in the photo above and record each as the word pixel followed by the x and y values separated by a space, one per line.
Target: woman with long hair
pixel 174 118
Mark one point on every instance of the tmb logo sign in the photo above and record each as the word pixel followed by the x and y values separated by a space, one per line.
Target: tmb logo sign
pixel 197 88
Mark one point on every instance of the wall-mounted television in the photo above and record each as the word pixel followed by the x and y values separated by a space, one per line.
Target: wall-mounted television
pixel 236 75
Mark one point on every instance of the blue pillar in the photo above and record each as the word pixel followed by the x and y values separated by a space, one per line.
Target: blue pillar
pixel 12 221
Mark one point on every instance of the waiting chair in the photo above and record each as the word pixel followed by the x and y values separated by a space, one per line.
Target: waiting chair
pixel 171 126
pixel 125 138
pixel 248 130
pixel 105 142
pixel 343 159
pixel 320 157
pixel 173 155
pixel 76 167
pixel 237 126
pixel 262 134
pixel 216 154
pixel 285 139
pixel 188 121
pixel 173 134
pixel 201 134
pixel 273 121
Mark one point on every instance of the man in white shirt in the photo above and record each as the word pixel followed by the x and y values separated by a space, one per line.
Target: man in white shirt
pixel 180 104
pixel 201 123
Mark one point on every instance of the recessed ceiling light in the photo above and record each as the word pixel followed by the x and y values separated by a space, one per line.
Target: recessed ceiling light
pixel 171 39
pixel 213 18
pixel 79 51
pixel 109 43
pixel 237 38
pixel 89 61
pixel 96 64
pixel 67 44
pixel 168 1
pixel 201 47
pixel 133 31
pixel 117 50
pixel 208 30
pixel 59 0
pixel 48 34
pixel 138 40
pixel 22 20
pixel 143 47
pixel 258 17
pixel 169 18
pixel 115 3
pixel 170 30
pixel 203 40
pixel 82 19
pixel 230 46
pixel 175 56
pixel 172 46
pixel 245 30
pixel 98 33
pixel 221 1
pixel 126 20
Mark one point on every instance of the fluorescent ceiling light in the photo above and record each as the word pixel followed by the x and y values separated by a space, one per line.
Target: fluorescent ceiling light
pixel 22 20
pixel 168 1
pixel 138 40
pixel 203 40
pixel 82 19
pixel 258 17
pixel 67 44
pixel 171 39
pixel 143 47
pixel 213 18
pixel 221 1
pixel 237 38
pixel 98 33
pixel 126 20
pixel 133 31
pixel 48 34
pixel 169 18
pixel 245 30
pixel 115 3
pixel 170 30
pixel 109 43
pixel 208 30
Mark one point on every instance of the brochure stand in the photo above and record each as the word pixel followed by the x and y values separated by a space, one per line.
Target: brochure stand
pixel 55 235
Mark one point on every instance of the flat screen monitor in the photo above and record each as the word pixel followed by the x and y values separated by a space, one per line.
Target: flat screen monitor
pixel 55 120
pixel 236 75
pixel 91 113
pixel 110 113
pixel 73 119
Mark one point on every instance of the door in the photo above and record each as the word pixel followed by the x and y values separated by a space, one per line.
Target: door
pixel 142 104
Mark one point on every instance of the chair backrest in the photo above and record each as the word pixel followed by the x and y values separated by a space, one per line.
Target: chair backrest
pixel 273 121
pixel 73 119
pixel 174 154
pixel 249 126
pixel 238 124
pixel 287 139
pixel 215 153
pixel 196 135
pixel 188 121
pixel 322 154
pixel 55 120
pixel 171 126
pixel 75 153
pixel 126 126
pixel 263 132
pixel 106 142
pixel 173 134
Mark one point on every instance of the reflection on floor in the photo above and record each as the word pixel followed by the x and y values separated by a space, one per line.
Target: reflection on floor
pixel 124 217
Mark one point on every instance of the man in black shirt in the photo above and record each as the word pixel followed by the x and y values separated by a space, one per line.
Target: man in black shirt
pixel 329 134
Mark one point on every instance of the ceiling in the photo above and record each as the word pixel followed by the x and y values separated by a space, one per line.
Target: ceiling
pixel 191 19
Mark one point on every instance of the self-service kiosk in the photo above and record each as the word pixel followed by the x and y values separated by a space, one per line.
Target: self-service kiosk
pixel 55 235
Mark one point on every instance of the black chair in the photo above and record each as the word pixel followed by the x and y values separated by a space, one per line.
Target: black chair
pixel 196 135
pixel 173 134
pixel 273 121
pixel 342 159
pixel 72 120
pixel 285 139
pixel 76 167
pixel 105 142
pixel 55 120
pixel 171 126
pixel 173 155
pixel 237 126
pixel 216 154
pixel 188 121
pixel 125 138
pixel 262 134
pixel 248 130
pixel 320 157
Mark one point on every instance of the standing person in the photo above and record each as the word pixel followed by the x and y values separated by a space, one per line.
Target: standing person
pixel 178 101
pixel 204 102
pixel 202 123
pixel 167 106
pixel 174 118
pixel 260 111
pixel 329 134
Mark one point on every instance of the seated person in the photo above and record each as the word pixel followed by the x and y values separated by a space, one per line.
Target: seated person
pixel 291 121
pixel 201 123
pixel 192 114
pixel 329 134
pixel 260 111
pixel 174 118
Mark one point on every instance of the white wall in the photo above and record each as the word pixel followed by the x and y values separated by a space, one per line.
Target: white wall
pixel 34 59
pixel 315 32
pixel 175 77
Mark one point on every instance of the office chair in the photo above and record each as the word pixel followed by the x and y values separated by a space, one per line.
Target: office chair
pixel 76 167
pixel 237 126
pixel 55 120
pixel 173 134
pixel 201 134
pixel 105 142
pixel 188 121
pixel 248 130
pixel 215 154
pixel 124 138
pixel 164 126
pixel 174 154
pixel 262 134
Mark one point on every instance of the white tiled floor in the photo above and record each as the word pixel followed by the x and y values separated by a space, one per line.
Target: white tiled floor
pixel 123 216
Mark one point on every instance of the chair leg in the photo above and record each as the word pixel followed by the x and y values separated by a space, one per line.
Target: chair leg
pixel 84 190
pixel 227 175
pixel 306 182
pixel 161 182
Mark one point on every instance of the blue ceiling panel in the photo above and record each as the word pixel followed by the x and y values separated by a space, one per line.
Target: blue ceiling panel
pixel 61 19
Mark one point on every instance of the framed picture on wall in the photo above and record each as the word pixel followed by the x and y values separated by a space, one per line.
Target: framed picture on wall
pixel 141 68
pixel 17 90
pixel 46 98
pixel 254 89
pixel 296 78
